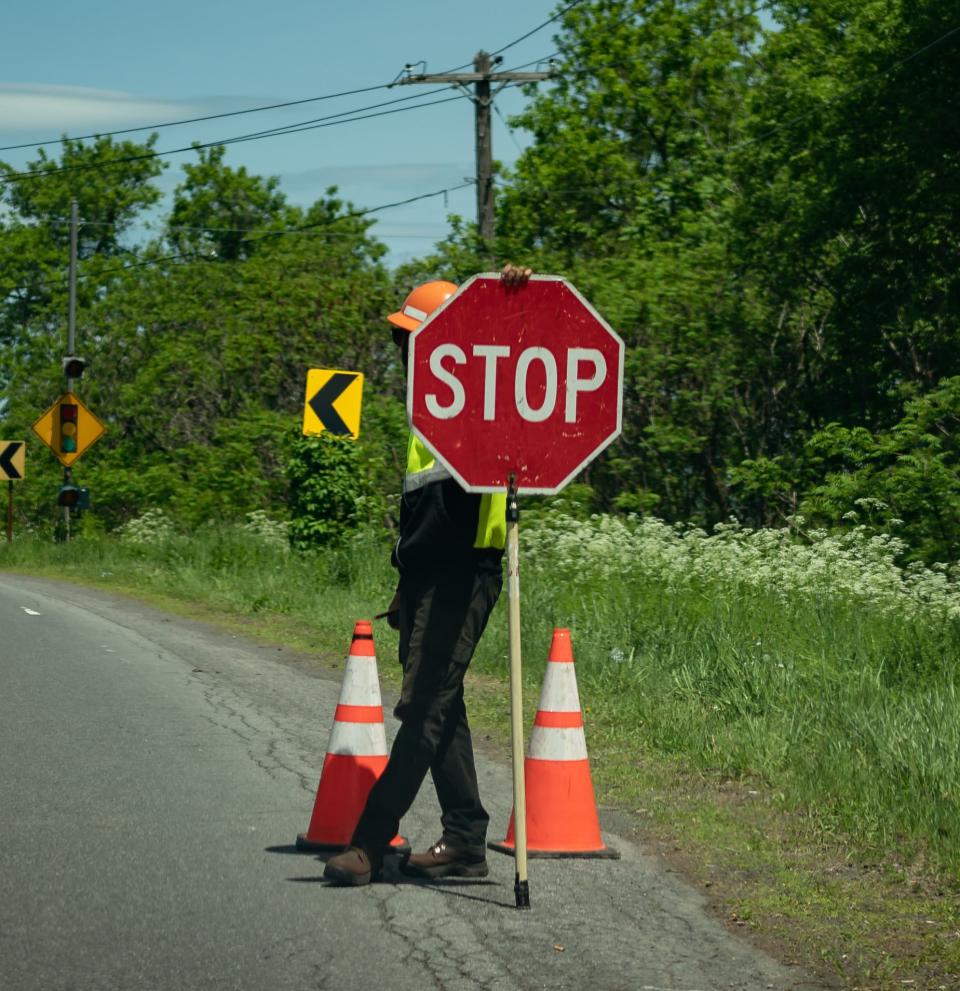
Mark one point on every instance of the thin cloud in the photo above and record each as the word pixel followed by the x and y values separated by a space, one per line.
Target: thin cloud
pixel 34 108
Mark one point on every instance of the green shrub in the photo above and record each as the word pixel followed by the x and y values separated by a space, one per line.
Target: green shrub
pixel 332 494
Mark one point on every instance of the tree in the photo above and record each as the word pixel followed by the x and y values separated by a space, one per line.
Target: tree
pixel 112 184
pixel 906 479
pixel 627 144
pixel 626 190
pixel 218 211
pixel 851 193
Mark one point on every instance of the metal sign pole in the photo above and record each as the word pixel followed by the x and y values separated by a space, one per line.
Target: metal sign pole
pixel 10 511
pixel 71 332
pixel 521 885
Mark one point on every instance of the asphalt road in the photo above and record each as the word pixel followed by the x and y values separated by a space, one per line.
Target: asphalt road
pixel 154 775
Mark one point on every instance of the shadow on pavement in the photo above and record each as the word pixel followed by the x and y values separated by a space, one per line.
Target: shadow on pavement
pixel 390 874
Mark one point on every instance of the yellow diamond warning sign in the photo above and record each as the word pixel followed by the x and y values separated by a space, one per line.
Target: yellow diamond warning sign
pixel 333 402
pixel 68 428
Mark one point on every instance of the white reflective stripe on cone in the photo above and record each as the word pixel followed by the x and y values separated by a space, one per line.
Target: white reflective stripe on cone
pixel 553 743
pixel 360 686
pixel 358 739
pixel 559 692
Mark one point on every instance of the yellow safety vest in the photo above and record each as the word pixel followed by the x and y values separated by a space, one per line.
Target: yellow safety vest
pixel 422 469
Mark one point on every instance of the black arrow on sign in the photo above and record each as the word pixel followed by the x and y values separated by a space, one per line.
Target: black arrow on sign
pixel 6 459
pixel 322 402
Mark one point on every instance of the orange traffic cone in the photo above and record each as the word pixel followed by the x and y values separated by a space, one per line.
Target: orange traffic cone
pixel 356 753
pixel 561 809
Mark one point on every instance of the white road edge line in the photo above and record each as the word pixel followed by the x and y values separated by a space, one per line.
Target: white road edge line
pixel 654 987
pixel 29 612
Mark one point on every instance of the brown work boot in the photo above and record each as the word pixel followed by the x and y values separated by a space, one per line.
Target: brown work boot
pixel 352 867
pixel 443 860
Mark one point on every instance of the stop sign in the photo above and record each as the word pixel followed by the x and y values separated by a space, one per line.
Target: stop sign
pixel 524 381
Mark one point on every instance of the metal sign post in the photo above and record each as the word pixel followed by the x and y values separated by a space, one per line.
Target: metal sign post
pixel 12 468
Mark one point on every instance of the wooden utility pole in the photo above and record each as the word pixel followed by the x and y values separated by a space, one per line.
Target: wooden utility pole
pixel 483 78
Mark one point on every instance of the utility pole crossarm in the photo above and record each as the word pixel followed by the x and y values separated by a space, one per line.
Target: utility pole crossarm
pixel 476 77
pixel 481 79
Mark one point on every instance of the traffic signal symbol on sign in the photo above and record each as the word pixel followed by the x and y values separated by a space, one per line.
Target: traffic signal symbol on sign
pixel 68 428
pixel 12 458
pixel 333 402
pixel 69 414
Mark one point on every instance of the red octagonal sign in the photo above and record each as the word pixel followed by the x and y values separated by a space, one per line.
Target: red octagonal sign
pixel 524 381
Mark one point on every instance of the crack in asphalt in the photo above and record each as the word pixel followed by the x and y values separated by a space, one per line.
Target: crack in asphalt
pixel 261 747
pixel 441 944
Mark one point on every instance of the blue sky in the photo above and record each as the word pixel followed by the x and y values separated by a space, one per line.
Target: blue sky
pixel 105 64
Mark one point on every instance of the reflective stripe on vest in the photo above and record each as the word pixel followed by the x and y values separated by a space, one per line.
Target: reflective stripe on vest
pixel 422 469
pixel 492 524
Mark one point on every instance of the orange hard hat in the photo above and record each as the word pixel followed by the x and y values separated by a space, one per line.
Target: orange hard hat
pixel 421 302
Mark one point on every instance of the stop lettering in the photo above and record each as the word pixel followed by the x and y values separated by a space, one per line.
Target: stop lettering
pixel 524 381
pixel 525 367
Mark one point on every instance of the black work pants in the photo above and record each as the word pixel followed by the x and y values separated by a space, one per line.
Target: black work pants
pixel 441 619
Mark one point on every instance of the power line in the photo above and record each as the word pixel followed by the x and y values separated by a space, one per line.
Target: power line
pixel 185 229
pixel 506 124
pixel 288 103
pixel 730 149
pixel 467 65
pixel 620 181
pixel 730 22
pixel 329 121
pixel 539 27
pixel 483 77
pixel 272 132
pixel 376 209
pixel 313 228
pixel 297 129
pixel 260 109
pixel 196 120
pixel 847 92
pixel 255 110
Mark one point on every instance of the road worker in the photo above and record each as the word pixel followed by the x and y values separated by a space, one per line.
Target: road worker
pixel 449 558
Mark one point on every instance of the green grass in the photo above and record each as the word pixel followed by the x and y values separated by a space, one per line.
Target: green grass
pixel 792 741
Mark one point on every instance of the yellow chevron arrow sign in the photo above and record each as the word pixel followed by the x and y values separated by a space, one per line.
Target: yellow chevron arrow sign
pixel 13 455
